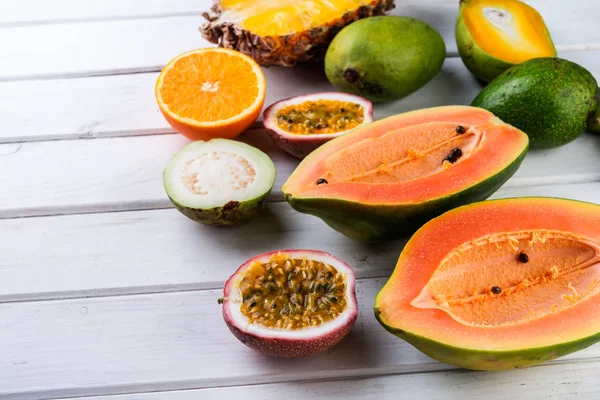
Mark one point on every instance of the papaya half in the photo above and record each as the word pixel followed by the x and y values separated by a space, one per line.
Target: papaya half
pixel 386 179
pixel 499 284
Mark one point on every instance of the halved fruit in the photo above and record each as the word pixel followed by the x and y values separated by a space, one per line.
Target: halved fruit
pixel 387 178
pixel 291 303
pixel 494 35
pixel 211 93
pixel 299 125
pixel 499 284
pixel 284 32
pixel 220 182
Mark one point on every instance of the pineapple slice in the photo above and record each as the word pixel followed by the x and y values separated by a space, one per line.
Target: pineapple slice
pixel 284 32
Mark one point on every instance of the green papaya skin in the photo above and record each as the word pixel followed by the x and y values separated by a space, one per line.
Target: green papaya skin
pixel 384 58
pixel 369 223
pixel 488 360
pixel 550 99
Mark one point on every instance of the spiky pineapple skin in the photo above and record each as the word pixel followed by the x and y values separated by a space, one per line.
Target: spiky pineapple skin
pixel 288 50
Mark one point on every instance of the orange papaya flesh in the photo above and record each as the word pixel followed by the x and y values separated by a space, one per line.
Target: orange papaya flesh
pixel 387 178
pixel 499 284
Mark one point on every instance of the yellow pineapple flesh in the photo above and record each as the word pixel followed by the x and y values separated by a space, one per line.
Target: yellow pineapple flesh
pixel 284 32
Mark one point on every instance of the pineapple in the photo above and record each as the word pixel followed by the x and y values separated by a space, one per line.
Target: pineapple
pixel 284 32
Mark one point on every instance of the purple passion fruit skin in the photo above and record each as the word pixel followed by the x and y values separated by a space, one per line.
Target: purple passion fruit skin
pixel 298 125
pixel 290 330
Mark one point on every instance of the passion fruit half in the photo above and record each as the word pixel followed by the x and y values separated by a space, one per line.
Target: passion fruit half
pixel 219 182
pixel 300 124
pixel 291 303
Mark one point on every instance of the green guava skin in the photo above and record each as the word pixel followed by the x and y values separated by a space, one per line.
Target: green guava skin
pixel 233 213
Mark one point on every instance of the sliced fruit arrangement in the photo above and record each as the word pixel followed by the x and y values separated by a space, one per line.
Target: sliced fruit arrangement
pixel 494 35
pixel 550 99
pixel 300 124
pixel 211 93
pixel 291 303
pixel 284 32
pixel 219 182
pixel 386 179
pixel 499 284
pixel 384 58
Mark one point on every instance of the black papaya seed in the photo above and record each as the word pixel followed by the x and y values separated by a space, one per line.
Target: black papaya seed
pixel 460 129
pixel 454 155
pixel 321 181
pixel 524 258
pixel 496 290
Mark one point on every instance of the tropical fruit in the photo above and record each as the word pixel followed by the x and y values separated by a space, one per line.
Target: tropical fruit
pixel 384 58
pixel 220 182
pixel 499 284
pixel 550 99
pixel 594 123
pixel 386 179
pixel 291 303
pixel 211 93
pixel 494 35
pixel 300 124
pixel 284 32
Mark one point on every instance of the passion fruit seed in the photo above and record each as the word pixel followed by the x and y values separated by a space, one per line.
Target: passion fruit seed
pixel 454 155
pixel 524 258
pixel 460 129
pixel 322 116
pixel 322 181
pixel 307 293
pixel 496 290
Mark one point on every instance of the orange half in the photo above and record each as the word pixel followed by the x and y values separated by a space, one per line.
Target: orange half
pixel 211 93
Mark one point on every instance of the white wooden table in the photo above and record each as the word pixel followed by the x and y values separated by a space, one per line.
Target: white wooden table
pixel 106 290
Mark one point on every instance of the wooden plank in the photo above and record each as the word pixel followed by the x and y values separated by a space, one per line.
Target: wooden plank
pixel 118 174
pixel 162 251
pixel 158 251
pixel 124 105
pixel 32 12
pixel 125 344
pixel 564 381
pixel 141 45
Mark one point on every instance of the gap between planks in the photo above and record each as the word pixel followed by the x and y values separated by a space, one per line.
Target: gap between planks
pixel 123 44
pixel 347 360
pixel 464 384
pixel 181 255
pixel 85 113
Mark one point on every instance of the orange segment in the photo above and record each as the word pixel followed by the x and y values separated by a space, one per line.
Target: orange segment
pixel 208 93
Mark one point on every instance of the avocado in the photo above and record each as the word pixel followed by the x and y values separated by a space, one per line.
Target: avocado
pixel 384 58
pixel 550 99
